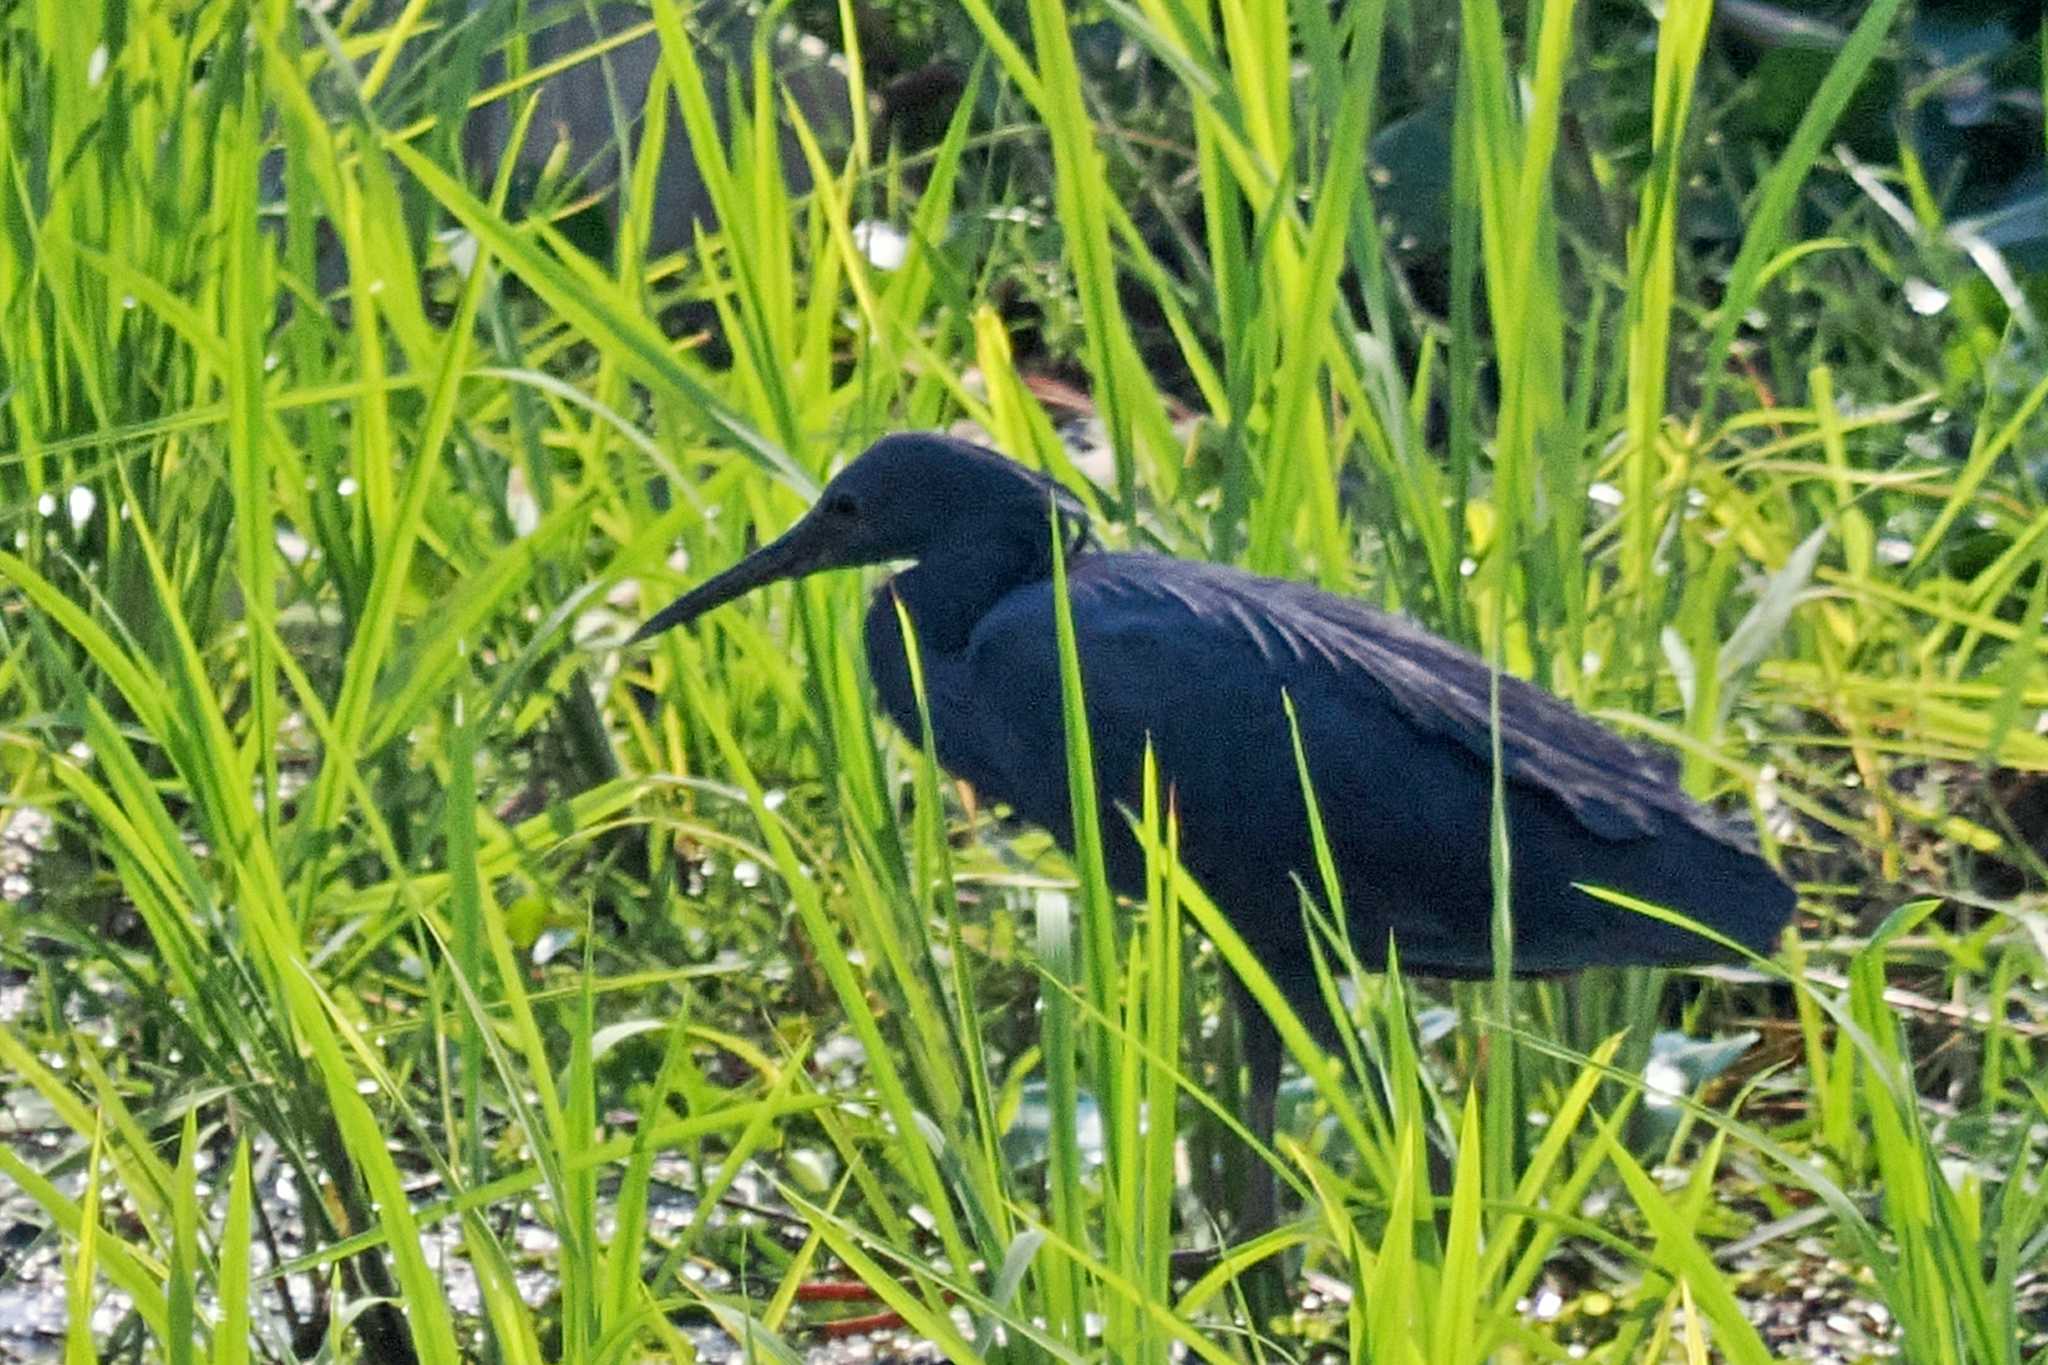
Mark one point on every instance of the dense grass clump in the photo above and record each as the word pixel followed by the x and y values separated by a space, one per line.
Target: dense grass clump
pixel 391 966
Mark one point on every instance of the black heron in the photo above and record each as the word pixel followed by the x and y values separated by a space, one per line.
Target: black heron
pixel 1395 722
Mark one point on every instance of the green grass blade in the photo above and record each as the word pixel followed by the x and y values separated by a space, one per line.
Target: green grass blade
pixel 1765 232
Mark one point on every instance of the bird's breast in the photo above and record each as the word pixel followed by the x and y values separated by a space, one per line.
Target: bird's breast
pixel 994 703
pixel 888 663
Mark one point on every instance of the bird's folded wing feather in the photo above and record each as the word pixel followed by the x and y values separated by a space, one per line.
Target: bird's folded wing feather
pixel 1299 638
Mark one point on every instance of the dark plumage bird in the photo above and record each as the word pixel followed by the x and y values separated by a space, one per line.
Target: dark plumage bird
pixel 1394 721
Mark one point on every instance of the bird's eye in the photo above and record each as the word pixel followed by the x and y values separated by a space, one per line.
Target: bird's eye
pixel 842 505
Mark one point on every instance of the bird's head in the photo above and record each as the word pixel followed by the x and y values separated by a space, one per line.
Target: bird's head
pixel 903 498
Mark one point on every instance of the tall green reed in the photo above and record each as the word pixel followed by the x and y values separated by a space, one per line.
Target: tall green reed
pixel 186 367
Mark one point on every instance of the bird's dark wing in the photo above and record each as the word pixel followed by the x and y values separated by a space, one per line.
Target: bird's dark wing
pixel 1395 725
pixel 1274 634
pixel 1615 789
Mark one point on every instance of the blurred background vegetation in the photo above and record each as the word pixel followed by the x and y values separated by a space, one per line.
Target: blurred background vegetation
pixel 392 969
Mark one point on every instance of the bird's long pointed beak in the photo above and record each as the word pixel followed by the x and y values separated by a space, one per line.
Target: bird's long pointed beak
pixel 804 548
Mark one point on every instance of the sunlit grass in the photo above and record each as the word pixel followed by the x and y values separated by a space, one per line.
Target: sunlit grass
pixel 377 470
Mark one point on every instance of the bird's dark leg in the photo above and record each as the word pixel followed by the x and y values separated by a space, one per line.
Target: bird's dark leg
pixel 1255 1211
pixel 1258 1044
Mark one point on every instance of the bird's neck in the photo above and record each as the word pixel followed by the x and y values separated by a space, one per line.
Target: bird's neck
pixel 955 584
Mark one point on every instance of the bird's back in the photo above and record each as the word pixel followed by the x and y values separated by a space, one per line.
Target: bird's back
pixel 1395 725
